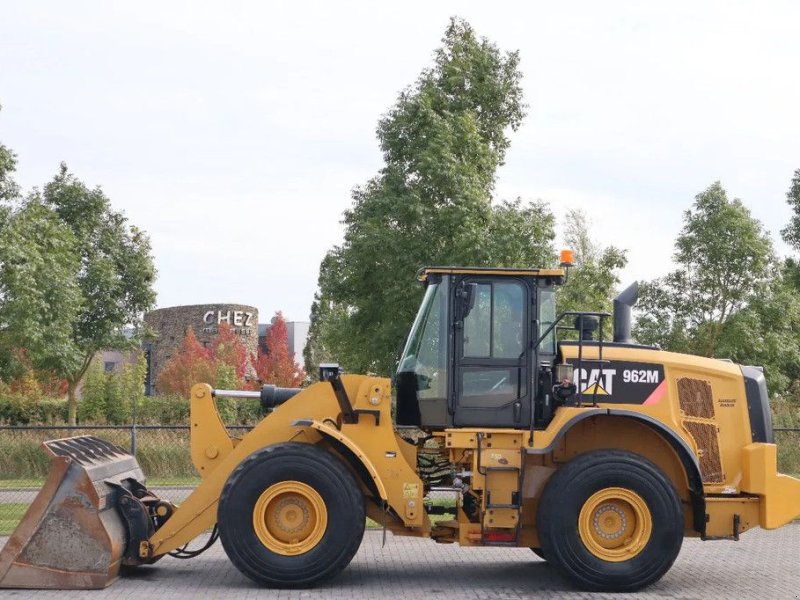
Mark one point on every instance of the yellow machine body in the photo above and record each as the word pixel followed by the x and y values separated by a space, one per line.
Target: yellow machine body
pixel 740 483
pixel 691 437
pixel 311 417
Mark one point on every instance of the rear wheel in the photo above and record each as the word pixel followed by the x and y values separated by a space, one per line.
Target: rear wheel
pixel 611 521
pixel 291 515
pixel 538 552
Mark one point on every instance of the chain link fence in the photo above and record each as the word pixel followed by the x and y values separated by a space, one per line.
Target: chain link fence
pixel 163 453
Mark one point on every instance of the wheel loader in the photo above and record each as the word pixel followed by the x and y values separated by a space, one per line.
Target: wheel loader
pixel 550 432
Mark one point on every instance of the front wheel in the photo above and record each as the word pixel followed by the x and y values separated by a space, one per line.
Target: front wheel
pixel 611 521
pixel 291 515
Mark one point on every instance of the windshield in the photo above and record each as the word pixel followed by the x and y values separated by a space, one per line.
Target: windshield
pixel 425 353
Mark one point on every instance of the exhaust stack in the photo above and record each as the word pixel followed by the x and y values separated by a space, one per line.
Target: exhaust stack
pixel 622 313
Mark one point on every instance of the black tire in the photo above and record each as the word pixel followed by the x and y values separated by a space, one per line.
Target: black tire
pixel 560 511
pixel 329 478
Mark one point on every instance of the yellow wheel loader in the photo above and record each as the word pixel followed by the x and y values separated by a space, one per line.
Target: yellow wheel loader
pixel 599 455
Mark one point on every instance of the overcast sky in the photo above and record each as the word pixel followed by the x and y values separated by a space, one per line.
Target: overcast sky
pixel 233 132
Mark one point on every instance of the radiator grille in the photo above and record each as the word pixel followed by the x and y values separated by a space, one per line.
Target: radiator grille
pixel 696 398
pixel 705 436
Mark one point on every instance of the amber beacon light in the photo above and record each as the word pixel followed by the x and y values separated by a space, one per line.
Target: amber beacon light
pixel 567 258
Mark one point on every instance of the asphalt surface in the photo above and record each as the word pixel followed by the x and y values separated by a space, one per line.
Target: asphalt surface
pixel 764 564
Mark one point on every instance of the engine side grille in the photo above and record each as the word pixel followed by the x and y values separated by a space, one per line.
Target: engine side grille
pixel 695 397
pixel 705 436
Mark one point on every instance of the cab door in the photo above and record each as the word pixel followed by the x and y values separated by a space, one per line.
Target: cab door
pixel 492 354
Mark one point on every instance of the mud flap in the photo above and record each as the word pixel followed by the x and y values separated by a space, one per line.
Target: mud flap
pixel 73 536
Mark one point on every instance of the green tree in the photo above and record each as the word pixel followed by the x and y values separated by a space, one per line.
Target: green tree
pixel 94 400
pixel 8 165
pixel 40 298
pixel 109 397
pixel 791 233
pixel 431 203
pixel 68 260
pixel 767 333
pixel 725 263
pixel 520 235
pixel 592 282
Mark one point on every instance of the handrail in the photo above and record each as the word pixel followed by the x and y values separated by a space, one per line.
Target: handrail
pixel 580 314
pixel 570 313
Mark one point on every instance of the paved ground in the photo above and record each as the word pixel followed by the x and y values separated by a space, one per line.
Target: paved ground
pixel 762 565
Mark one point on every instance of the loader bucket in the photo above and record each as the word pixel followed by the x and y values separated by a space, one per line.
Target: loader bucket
pixel 72 536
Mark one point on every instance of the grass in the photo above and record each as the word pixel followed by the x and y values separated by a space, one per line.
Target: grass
pixel 152 482
pixel 164 455
pixel 10 515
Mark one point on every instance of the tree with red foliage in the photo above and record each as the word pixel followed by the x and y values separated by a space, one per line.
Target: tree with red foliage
pixel 37 382
pixel 228 349
pixel 277 366
pixel 192 364
pixel 222 365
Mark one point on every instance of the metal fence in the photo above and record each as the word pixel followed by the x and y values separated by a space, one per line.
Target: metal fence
pixel 163 451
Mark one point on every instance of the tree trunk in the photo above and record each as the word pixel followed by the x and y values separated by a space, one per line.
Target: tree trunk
pixel 72 403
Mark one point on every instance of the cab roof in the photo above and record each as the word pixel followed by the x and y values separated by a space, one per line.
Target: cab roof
pixel 424 272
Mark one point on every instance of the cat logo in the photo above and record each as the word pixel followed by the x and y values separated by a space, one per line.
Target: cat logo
pixel 618 381
pixel 595 390
pixel 595 382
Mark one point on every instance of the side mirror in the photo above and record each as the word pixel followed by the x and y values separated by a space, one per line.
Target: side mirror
pixel 466 295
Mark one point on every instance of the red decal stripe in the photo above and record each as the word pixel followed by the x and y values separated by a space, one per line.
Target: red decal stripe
pixel 657 394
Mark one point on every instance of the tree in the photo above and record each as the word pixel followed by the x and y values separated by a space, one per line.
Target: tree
pixel 70 261
pixel 592 282
pixel 520 234
pixel 30 381
pixel 222 365
pixel 40 298
pixel 277 366
pixel 791 233
pixel 725 263
pixel 8 164
pixel 767 333
pixel 228 349
pixel 431 203
pixel 191 364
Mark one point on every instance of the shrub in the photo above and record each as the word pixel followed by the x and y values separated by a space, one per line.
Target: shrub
pixel 49 411
pixel 92 407
pixel 109 397
pixel 166 409
pixel 786 414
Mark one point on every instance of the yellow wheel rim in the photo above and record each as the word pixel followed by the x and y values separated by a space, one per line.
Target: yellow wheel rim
pixel 290 518
pixel 615 524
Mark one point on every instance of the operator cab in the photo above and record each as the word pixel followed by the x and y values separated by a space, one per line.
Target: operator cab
pixel 475 350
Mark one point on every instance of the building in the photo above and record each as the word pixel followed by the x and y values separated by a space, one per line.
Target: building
pixel 169 326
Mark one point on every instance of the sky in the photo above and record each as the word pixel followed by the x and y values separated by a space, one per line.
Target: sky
pixel 234 132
